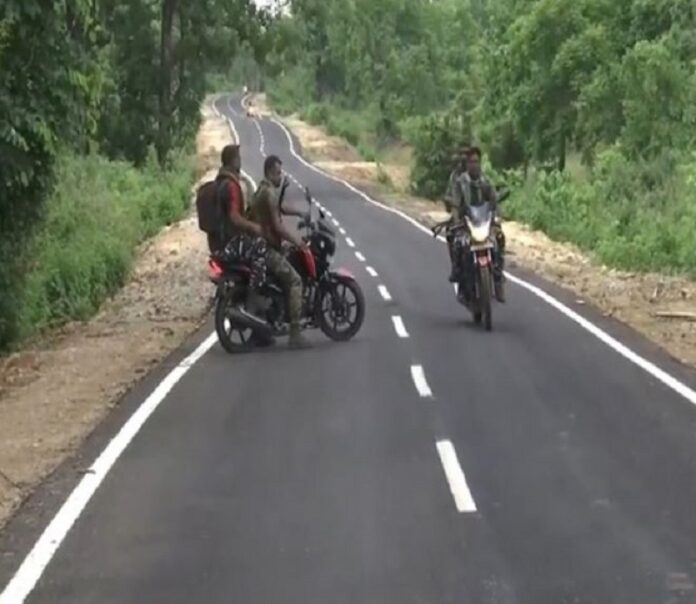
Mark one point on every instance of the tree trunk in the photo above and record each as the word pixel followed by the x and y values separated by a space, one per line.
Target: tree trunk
pixel 562 142
pixel 166 69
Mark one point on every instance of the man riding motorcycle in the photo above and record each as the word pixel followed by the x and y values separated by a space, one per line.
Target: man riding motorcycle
pixel 469 187
pixel 265 212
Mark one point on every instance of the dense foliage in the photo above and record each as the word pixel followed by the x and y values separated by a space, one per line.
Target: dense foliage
pixel 81 78
pixel 592 102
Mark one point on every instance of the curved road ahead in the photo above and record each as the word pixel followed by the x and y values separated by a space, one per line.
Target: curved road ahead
pixel 424 462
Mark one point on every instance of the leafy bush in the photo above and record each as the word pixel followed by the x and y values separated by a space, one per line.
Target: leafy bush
pixel 631 215
pixel 435 139
pixel 84 245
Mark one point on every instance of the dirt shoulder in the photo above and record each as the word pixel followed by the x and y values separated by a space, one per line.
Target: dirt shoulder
pixel 53 394
pixel 632 298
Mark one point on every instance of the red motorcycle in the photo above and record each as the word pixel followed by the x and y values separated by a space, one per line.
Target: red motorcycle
pixel 332 300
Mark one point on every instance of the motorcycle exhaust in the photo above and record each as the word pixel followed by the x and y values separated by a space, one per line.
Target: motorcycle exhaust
pixel 245 319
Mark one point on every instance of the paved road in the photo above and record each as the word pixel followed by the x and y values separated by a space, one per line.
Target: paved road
pixel 424 462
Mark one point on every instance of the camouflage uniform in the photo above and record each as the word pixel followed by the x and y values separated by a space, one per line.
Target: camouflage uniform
pixel 265 202
pixel 251 251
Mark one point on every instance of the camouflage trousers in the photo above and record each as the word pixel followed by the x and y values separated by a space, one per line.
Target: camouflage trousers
pixel 251 251
pixel 282 270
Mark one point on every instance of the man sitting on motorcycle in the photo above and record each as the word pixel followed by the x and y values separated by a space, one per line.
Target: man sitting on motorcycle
pixel 265 211
pixel 472 188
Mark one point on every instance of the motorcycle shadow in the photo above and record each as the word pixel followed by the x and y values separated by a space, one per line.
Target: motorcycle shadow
pixel 451 323
pixel 280 346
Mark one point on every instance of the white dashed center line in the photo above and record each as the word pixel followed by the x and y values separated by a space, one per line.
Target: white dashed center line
pixel 372 272
pixel 399 326
pixel 336 223
pixel 342 231
pixel 455 477
pixel 384 292
pixel 421 383
pixel 350 242
pixel 360 257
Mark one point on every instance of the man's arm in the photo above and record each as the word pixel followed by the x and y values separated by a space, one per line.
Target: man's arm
pixel 491 193
pixel 276 225
pixel 234 210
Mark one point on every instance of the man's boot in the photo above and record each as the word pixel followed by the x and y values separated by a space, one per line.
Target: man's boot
pixel 499 289
pixel 453 276
pixel 499 281
pixel 297 341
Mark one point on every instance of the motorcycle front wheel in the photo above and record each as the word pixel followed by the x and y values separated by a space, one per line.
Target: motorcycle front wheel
pixel 341 309
pixel 485 311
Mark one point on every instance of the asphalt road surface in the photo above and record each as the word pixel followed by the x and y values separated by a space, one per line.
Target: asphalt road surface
pixel 426 461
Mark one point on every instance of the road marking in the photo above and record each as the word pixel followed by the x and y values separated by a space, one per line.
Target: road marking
pixel 399 326
pixel 384 292
pixel 229 104
pixel 455 477
pixel 342 231
pixel 360 257
pixel 372 272
pixel 336 223
pixel 329 214
pixel 29 573
pixel 262 148
pixel 668 380
pixel 419 380
pixel 33 566
pixel 350 242
pixel 233 128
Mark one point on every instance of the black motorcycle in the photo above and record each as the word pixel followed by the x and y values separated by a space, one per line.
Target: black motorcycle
pixel 475 246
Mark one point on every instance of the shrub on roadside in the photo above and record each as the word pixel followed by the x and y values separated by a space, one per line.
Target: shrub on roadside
pixel 94 219
pixel 630 215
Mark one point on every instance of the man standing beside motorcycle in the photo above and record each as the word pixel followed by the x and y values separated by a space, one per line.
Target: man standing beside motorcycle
pixel 472 188
pixel 265 211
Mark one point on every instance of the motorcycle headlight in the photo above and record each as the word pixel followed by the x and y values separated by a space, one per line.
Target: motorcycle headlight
pixel 480 233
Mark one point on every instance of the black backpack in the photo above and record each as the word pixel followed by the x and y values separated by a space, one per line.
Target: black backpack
pixel 211 214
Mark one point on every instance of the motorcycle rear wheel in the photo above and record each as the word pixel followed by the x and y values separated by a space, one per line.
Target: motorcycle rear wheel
pixel 233 337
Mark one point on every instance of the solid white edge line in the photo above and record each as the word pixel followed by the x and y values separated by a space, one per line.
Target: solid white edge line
pixel 33 566
pixel 360 257
pixel 372 272
pixel 384 292
pixel 29 573
pixel 420 382
pixel 399 326
pixel 668 380
pixel 660 374
pixel 455 477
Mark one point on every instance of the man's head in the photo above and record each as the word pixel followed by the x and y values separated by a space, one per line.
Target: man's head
pixel 231 158
pixel 273 170
pixel 473 162
pixel 459 157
